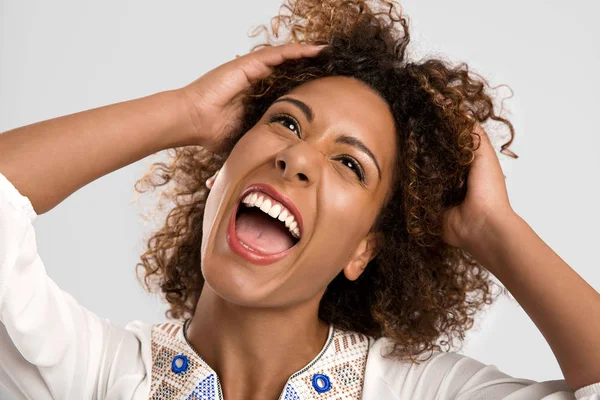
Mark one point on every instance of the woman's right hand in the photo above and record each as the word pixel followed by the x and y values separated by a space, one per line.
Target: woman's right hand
pixel 214 101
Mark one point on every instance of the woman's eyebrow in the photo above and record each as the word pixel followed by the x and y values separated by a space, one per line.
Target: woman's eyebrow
pixel 356 143
pixel 305 108
pixel 343 139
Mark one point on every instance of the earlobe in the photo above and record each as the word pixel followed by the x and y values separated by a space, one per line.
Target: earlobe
pixel 365 252
pixel 354 269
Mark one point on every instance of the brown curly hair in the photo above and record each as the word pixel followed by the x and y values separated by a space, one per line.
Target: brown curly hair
pixel 418 291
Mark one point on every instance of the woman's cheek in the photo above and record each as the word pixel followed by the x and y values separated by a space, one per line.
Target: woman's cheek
pixel 256 148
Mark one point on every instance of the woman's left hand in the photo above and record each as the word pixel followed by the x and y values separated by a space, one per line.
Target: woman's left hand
pixel 486 200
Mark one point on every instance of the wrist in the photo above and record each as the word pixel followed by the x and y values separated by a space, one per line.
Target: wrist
pixel 195 128
pixel 181 130
pixel 486 247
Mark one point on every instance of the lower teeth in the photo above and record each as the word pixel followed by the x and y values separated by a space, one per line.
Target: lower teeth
pixel 246 246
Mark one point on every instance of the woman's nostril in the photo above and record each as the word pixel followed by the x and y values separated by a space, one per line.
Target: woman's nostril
pixel 302 177
pixel 282 166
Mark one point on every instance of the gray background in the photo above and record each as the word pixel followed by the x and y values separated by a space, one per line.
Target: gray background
pixel 62 57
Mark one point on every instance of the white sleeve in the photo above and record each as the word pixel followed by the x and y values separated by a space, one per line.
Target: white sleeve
pixel 50 346
pixel 449 375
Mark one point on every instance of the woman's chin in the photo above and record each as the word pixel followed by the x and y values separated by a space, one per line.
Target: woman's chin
pixel 235 286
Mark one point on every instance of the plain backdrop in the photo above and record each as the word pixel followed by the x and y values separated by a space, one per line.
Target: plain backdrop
pixel 61 57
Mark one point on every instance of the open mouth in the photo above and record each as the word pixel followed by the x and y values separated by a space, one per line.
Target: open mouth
pixel 263 229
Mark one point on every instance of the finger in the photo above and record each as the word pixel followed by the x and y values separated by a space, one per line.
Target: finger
pixel 275 55
pixel 210 182
pixel 260 64
pixel 485 155
pixel 485 149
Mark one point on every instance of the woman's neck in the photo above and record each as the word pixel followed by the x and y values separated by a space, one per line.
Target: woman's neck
pixel 254 351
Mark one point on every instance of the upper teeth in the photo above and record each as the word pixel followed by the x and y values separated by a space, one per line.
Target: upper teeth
pixel 274 209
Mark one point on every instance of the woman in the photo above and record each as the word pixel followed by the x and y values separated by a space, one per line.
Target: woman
pixel 325 240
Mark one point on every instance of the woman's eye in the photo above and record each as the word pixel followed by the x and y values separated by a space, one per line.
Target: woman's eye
pixel 287 121
pixel 354 166
pixel 292 124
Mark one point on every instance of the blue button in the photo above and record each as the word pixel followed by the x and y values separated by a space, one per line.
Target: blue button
pixel 179 364
pixel 321 383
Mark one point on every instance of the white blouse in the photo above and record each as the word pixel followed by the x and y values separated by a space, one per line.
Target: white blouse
pixel 53 348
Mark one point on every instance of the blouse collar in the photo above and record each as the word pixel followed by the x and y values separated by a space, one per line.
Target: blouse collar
pixel 178 371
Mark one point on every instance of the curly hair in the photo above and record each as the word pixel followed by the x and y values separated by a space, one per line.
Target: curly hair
pixel 418 291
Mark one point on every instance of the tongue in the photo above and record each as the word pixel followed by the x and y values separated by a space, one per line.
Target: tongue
pixel 262 232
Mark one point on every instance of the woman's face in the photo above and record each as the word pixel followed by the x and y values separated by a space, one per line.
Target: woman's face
pixel 328 147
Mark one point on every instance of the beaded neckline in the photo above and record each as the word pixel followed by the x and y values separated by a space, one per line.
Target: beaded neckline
pixel 184 331
pixel 178 369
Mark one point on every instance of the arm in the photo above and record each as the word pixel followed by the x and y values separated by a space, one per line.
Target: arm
pixel 564 307
pixel 49 160
pixel 50 346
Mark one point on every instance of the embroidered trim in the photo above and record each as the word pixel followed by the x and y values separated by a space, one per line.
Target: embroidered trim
pixel 167 342
pixel 184 334
pixel 342 362
pixel 343 365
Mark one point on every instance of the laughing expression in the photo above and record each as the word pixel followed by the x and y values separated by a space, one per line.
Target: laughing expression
pixel 295 201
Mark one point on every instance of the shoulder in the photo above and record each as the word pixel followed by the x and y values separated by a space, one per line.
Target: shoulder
pixel 141 334
pixel 440 374
pixel 393 370
pixel 131 346
pixel 134 344
pixel 435 372
pixel 146 339
pixel 389 366
pixel 133 349
pixel 144 332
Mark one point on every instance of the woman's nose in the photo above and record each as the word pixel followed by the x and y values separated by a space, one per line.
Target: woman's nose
pixel 299 163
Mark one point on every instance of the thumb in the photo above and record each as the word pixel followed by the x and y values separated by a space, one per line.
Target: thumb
pixel 210 181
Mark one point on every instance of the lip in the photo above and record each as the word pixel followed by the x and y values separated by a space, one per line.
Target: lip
pixel 249 255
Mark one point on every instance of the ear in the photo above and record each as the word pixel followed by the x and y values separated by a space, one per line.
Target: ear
pixel 366 250
pixel 210 181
